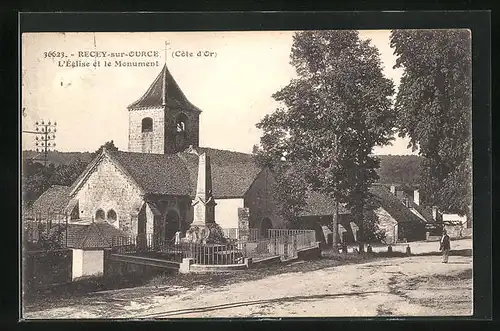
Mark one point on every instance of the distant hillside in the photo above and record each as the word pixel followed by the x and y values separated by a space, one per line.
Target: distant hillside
pixel 397 169
pixel 58 158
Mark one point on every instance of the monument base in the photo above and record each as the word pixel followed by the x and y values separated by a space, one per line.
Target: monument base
pixel 209 233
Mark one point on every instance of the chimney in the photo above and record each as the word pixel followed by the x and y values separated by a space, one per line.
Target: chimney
pixel 434 213
pixel 416 197
pixel 393 189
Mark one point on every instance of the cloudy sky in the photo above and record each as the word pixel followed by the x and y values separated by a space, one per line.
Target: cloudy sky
pixel 233 88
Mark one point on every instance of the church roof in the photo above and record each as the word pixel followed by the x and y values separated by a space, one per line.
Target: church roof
pixel 163 91
pixel 232 173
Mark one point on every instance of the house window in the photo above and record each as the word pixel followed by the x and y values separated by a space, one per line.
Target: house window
pixel 111 216
pixel 147 124
pixel 99 215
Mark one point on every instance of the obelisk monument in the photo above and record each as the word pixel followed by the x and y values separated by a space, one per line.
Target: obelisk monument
pixel 204 229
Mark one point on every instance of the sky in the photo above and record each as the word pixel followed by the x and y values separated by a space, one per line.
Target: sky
pixel 232 87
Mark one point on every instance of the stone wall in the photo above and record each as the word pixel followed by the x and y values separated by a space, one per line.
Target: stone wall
pixel 137 140
pixel 388 224
pixel 259 199
pixel 108 188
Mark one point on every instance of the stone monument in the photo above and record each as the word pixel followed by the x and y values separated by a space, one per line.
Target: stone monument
pixel 204 229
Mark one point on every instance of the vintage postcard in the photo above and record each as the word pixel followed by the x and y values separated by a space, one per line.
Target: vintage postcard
pixel 250 174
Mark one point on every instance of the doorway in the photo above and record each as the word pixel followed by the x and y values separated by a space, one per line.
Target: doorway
pixel 172 225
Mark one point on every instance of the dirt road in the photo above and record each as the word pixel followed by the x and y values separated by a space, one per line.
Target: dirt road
pixel 410 286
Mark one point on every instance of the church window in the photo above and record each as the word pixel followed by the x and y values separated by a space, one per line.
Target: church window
pixel 111 216
pixel 147 124
pixel 181 123
pixel 99 215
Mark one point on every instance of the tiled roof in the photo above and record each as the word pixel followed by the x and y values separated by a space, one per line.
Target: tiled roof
pixel 73 233
pixel 395 207
pixel 232 172
pixel 156 173
pixel 163 90
pixel 54 200
pixel 97 235
pixel 318 204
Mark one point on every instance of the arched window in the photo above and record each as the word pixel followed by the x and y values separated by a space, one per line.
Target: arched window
pixel 99 215
pixel 147 124
pixel 111 216
pixel 181 123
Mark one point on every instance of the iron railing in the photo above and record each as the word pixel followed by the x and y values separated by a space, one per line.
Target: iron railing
pixel 236 233
pixel 286 245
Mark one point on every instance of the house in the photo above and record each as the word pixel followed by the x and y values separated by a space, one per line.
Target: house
pixel 400 218
pixel 149 189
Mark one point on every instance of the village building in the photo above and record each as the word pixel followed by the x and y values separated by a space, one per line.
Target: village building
pixel 400 216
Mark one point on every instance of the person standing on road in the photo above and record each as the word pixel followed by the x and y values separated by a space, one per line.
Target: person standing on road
pixel 445 246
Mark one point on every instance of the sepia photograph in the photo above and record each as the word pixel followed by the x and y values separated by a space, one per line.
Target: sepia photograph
pixel 246 174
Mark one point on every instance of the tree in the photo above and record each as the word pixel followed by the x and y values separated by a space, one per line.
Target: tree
pixel 110 147
pixel 37 178
pixel 433 108
pixel 334 113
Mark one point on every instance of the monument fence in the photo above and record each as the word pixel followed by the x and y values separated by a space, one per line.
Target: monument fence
pixel 283 243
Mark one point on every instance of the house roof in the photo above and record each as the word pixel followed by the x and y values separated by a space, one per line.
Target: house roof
pixel 164 91
pixel 318 204
pixel 395 207
pixel 98 235
pixel 54 200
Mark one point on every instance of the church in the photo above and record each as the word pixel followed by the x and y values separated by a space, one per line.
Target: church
pixel 150 188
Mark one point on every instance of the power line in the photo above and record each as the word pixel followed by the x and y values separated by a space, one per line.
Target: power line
pixel 45 135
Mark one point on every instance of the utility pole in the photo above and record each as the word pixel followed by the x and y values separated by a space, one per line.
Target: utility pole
pixel 336 213
pixel 45 135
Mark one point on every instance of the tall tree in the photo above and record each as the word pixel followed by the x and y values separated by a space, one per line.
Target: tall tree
pixel 333 115
pixel 433 107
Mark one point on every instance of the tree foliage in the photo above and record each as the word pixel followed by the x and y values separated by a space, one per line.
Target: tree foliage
pixel 433 107
pixel 400 169
pixel 37 178
pixel 332 116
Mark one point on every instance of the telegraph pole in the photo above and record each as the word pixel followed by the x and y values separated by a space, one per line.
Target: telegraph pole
pixel 45 135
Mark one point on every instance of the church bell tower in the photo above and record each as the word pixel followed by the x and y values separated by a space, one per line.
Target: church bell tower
pixel 163 121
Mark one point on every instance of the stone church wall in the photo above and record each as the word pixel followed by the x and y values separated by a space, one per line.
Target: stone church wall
pixel 136 136
pixel 259 199
pixel 108 188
